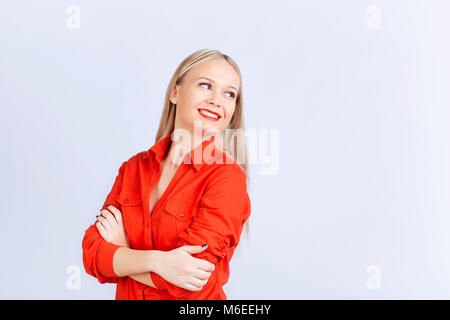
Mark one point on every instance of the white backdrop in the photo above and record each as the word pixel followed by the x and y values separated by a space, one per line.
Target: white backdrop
pixel 358 206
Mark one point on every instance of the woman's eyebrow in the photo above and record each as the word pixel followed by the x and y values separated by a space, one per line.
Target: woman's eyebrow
pixel 214 81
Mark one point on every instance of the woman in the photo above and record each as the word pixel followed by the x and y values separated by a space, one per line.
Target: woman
pixel 185 196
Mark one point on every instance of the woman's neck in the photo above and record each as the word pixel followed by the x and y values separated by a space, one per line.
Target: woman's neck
pixel 180 148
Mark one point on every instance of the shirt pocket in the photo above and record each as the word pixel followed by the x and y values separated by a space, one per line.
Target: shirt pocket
pixel 180 213
pixel 129 198
pixel 132 212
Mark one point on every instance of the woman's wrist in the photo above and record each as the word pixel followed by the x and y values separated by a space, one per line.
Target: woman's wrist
pixel 153 260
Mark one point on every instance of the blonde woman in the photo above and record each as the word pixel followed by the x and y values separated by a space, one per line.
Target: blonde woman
pixel 171 223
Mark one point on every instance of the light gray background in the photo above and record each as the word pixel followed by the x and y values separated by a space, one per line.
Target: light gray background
pixel 363 114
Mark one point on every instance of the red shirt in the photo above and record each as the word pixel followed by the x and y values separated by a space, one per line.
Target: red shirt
pixel 205 202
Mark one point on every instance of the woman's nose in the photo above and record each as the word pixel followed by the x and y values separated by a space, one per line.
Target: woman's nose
pixel 213 99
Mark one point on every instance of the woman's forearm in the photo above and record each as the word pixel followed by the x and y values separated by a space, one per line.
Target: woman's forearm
pixel 128 261
pixel 143 278
pixel 143 257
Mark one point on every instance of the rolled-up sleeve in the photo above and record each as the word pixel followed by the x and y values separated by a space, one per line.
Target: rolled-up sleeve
pixel 224 208
pixel 98 253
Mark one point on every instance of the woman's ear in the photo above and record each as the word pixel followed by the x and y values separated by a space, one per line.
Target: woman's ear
pixel 173 95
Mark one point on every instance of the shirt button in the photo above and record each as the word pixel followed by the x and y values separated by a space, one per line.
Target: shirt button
pixel 181 214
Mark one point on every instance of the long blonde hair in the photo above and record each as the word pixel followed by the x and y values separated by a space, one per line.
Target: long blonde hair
pixel 237 146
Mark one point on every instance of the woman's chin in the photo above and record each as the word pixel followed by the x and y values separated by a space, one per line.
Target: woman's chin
pixel 206 126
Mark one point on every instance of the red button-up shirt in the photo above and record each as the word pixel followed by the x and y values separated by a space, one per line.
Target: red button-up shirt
pixel 205 202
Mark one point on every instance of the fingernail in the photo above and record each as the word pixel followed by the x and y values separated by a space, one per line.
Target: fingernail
pixel 96 216
pixel 204 245
pixel 108 205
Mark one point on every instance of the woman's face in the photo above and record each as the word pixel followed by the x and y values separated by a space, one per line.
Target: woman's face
pixel 211 86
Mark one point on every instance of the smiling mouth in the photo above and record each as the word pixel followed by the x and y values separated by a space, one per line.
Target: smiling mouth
pixel 207 114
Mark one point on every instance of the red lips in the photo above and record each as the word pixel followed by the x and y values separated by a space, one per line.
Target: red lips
pixel 218 115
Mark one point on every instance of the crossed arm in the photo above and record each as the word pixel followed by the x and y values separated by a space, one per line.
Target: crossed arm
pixel 111 229
pixel 176 266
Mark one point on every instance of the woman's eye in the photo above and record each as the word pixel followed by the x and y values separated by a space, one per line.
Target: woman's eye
pixel 232 95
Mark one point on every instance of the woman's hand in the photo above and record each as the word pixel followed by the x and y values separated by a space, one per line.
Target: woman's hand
pixel 111 227
pixel 180 268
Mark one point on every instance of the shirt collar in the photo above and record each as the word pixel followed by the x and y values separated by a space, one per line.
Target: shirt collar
pixel 160 148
